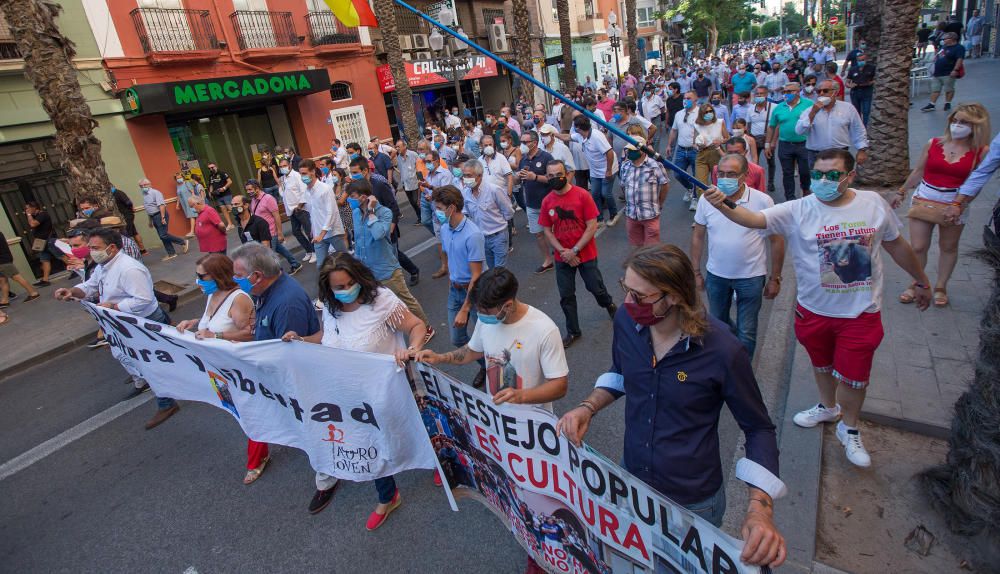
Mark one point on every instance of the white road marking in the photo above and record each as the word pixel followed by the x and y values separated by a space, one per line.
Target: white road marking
pixel 24 460
pixel 191 570
pixel 421 247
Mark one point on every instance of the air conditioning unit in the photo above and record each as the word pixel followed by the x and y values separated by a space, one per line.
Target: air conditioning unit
pixel 420 42
pixel 423 56
pixel 405 43
pixel 498 38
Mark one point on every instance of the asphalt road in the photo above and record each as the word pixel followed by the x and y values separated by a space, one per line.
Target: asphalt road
pixel 122 499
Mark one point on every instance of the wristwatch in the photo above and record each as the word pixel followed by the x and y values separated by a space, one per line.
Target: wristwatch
pixel 218 334
pixel 575 250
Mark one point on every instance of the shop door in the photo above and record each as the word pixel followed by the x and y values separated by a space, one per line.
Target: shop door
pixel 51 189
pixel 254 24
pixel 167 26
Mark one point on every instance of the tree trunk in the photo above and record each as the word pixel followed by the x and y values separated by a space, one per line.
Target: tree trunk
pixel 566 43
pixel 888 129
pixel 385 11
pixel 713 37
pixel 522 46
pixel 870 12
pixel 632 37
pixel 48 63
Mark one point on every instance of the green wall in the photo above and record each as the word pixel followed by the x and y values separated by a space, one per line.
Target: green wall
pixel 582 54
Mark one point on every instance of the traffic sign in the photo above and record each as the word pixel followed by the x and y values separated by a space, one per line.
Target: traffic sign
pixel 834 20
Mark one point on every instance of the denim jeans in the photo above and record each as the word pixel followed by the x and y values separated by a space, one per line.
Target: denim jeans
pixel 280 249
pixel 427 213
pixel 792 154
pixel 862 100
pixel 686 158
pixel 749 297
pixel 712 509
pixel 330 244
pixel 459 337
pixel 602 190
pixel 302 229
pixel 385 486
pixel 160 223
pixel 566 283
pixel 496 249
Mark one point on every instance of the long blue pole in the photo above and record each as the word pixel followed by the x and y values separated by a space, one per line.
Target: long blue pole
pixel 647 149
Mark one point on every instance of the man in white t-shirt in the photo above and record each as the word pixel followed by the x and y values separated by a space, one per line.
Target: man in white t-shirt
pixel 737 256
pixel 834 237
pixel 601 160
pixel 525 359
pixel 682 134
pixel 557 149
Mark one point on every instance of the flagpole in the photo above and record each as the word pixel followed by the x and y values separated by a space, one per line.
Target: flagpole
pixel 647 149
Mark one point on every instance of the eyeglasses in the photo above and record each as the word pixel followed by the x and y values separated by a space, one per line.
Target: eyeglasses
pixel 831 175
pixel 202 276
pixel 635 295
pixel 825 90
pixel 730 174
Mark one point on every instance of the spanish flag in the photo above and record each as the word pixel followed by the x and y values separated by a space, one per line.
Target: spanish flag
pixel 353 13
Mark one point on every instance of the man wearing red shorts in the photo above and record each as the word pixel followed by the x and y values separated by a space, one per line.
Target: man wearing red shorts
pixel 834 235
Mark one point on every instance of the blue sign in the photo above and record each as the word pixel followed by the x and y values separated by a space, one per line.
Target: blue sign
pixel 654 55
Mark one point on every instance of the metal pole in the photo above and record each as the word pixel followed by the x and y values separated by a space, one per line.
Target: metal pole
pixel 525 76
pixel 618 72
pixel 458 88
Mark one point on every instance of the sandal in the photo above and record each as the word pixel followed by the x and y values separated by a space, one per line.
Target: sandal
pixel 908 296
pixel 4 319
pixel 940 298
pixel 254 473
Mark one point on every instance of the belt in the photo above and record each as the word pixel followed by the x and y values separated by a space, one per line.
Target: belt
pixel 939 189
pixel 461 286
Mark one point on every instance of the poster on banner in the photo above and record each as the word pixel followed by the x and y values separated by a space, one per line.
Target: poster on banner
pixel 352 413
pixel 570 508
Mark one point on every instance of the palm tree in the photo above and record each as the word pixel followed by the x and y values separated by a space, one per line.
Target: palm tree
pixel 385 11
pixel 566 41
pixel 888 130
pixel 48 63
pixel 870 14
pixel 632 36
pixel 522 45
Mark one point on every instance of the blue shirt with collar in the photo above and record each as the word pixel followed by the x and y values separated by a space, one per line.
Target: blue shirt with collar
pixel 284 307
pixel 673 405
pixel 463 244
pixel 371 241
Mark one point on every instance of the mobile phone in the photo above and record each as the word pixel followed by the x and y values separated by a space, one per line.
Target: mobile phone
pixel 420 176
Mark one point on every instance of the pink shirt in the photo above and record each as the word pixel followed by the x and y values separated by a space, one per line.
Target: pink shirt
pixel 264 206
pixel 206 229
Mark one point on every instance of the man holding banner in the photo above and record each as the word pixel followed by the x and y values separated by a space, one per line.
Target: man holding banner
pixel 675 395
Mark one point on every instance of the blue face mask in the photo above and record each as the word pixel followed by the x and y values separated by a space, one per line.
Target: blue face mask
pixel 357 176
pixel 354 203
pixel 355 156
pixel 490 319
pixel 325 170
pixel 616 118
pixel 208 286
pixel 441 217
pixel 789 98
pixel 728 185
pixel 825 190
pixel 243 283
pixel 437 145
pixel 759 99
pixel 307 179
pixel 670 93
pixel 334 180
pixel 709 116
pixel 348 296
pixel 688 104
pixel 457 172
pixel 89 212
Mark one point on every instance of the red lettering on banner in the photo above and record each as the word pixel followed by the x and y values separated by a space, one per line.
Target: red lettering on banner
pixel 555 482
pixel 590 519
pixel 538 482
pixel 609 524
pixel 511 457
pixel 634 540
pixel 572 489
pixel 488 444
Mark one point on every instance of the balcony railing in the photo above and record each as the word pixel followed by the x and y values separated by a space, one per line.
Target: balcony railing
pixel 325 30
pixel 257 29
pixel 174 30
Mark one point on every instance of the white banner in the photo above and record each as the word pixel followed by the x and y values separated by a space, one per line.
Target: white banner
pixel 352 413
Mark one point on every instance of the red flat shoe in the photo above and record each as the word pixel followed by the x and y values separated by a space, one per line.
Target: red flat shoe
pixel 437 478
pixel 375 519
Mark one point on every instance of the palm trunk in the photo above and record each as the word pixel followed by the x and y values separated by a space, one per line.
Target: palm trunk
pixel 522 46
pixel 566 43
pixel 48 63
pixel 713 37
pixel 870 12
pixel 385 11
pixel 632 37
pixel 888 129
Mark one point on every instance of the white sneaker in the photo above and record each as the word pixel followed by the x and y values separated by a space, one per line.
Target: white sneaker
pixel 318 304
pixel 818 414
pixel 687 196
pixel 693 206
pixel 311 258
pixel 851 439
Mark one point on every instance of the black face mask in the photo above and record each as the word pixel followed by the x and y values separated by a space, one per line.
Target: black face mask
pixel 557 182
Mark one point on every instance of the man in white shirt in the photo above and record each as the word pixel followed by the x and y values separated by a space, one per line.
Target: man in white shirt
pixel 682 134
pixel 328 228
pixel 832 124
pixel 293 195
pixel 451 120
pixel 601 159
pixel 124 284
pixel 488 206
pixel 496 168
pixel 758 115
pixel 550 142
pixel 737 255
pixel 834 237
pixel 775 83
pixel 406 164
pixel 651 107
pixel 340 155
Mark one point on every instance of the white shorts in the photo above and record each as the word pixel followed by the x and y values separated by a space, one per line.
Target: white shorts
pixel 533 225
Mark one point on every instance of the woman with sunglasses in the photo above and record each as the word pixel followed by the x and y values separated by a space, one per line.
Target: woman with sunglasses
pixel 710 131
pixel 228 316
pixel 944 165
pixel 361 315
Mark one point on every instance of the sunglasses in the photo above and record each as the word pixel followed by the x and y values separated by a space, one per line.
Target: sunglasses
pixel 831 175
pixel 203 276
pixel 635 295
pixel 825 90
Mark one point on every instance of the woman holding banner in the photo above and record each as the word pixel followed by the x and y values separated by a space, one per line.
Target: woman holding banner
pixel 361 315
pixel 229 315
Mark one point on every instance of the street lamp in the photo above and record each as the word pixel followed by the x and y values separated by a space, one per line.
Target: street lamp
pixel 436 40
pixel 615 37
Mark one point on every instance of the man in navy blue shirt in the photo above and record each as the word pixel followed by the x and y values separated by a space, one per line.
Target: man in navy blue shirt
pixel 678 365
pixel 947 63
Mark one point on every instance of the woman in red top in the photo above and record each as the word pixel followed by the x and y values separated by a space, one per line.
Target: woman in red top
pixel 944 165
pixel 209 230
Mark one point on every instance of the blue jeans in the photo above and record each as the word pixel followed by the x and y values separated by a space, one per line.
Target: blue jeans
pixel 712 509
pixel 685 158
pixel 749 297
pixel 283 251
pixel 460 336
pixel 160 223
pixel 427 213
pixel 602 190
pixel 330 244
pixel 496 249
pixel 386 487
pixel 862 100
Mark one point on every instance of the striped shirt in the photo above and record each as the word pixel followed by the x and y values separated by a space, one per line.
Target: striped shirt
pixel 641 184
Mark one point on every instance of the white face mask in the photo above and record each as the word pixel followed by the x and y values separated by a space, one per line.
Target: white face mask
pixel 960 131
pixel 488 150
pixel 824 100
pixel 469 181
pixel 738 132
pixel 546 140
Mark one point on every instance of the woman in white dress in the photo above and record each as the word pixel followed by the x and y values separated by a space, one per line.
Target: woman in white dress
pixel 361 315
pixel 710 132
pixel 229 316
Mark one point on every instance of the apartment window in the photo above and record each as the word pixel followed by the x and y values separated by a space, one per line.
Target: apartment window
pixel 588 8
pixel 555 14
pixel 340 91
pixel 493 16
pixel 644 17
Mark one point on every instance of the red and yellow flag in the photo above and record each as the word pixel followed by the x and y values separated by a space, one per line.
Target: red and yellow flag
pixel 353 13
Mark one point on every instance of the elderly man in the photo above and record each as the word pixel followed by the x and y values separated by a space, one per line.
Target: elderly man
pixel 645 183
pixel 121 283
pixel 737 257
pixel 156 209
pixel 406 163
pixel 790 144
pixel 755 173
pixel 832 124
pixel 437 176
pixel 495 166
pixel 488 206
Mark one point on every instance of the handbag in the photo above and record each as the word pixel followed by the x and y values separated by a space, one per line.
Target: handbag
pixel 929 211
pixel 38 245
pixel 960 72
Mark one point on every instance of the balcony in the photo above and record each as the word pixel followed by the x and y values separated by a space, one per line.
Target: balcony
pixel 592 25
pixel 261 34
pixel 175 35
pixel 8 47
pixel 327 34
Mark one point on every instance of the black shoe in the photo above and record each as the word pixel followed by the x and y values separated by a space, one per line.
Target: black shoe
pixel 543 268
pixel 41 283
pixel 480 379
pixel 31 298
pixel 98 342
pixel 770 188
pixel 947 106
pixel 12 296
pixel 928 108
pixel 136 391
pixel 295 269
pixel 321 499
pixel 612 309
pixel 569 340
pixel 414 279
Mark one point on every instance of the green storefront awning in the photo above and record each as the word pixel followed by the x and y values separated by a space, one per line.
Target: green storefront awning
pixel 205 94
